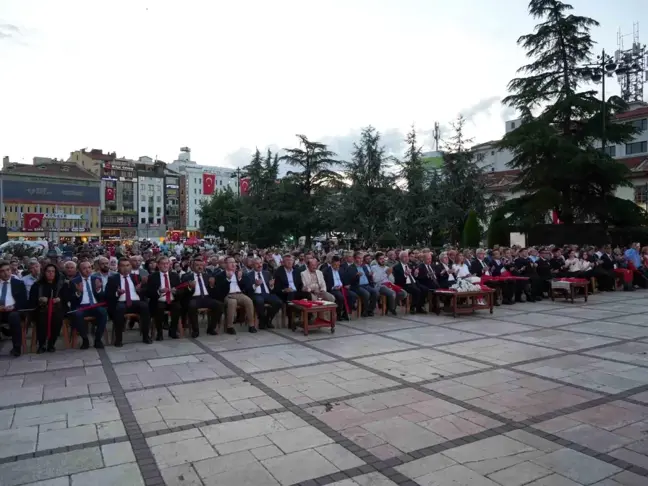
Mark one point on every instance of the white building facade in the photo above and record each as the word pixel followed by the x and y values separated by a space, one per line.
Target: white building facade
pixel 194 195
pixel 633 154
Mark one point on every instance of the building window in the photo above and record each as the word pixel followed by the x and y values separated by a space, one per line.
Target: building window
pixel 142 197
pixel 159 221
pixel 159 199
pixel 143 209
pixel 640 124
pixel 610 150
pixel 641 194
pixel 512 125
pixel 143 220
pixel 636 148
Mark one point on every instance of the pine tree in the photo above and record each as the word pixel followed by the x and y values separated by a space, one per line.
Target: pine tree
pixel 556 150
pixel 462 184
pixel 416 217
pixel 367 200
pixel 471 231
pixel 221 210
pixel 314 183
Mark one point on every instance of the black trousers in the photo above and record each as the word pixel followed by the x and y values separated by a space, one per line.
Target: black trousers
pixel 264 314
pixel 137 307
pixel 55 325
pixel 215 307
pixel 417 293
pixel 158 316
pixel 13 318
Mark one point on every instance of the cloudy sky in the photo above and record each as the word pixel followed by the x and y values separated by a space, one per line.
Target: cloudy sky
pixel 145 77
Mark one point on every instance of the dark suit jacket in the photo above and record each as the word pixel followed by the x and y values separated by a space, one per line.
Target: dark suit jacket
pixel 153 286
pixel 399 275
pixel 281 280
pixel 19 293
pixel 74 299
pixel 328 277
pixel 441 274
pixel 352 274
pixel 476 268
pixel 112 286
pixel 607 262
pixel 425 278
pixel 544 269
pixel 190 277
pixel 252 276
pixel 223 285
pixel 497 268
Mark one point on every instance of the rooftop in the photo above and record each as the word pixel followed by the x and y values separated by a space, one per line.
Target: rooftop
pixel 54 168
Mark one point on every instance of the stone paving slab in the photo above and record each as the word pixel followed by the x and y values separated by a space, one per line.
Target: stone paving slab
pixel 541 394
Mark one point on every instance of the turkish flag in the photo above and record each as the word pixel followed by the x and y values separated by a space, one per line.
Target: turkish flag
pixel 555 219
pixel 245 186
pixel 110 194
pixel 209 181
pixel 33 221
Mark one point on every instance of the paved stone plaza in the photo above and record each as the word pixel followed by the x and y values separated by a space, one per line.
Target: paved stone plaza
pixel 542 394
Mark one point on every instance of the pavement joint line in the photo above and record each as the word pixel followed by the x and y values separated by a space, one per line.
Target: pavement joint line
pixel 56 400
pixel 58 450
pixel 505 420
pixel 142 454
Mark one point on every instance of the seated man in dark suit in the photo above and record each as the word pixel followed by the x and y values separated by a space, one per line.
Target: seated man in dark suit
pixel 161 289
pixel 201 294
pixel 232 288
pixel 362 284
pixel 288 283
pixel 122 296
pixel 405 277
pixel 261 294
pixel 426 278
pixel 339 286
pixel 13 299
pixel 84 291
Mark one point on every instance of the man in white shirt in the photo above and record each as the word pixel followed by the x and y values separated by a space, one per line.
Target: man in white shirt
pixel 86 294
pixel 233 287
pixel 383 280
pixel 123 298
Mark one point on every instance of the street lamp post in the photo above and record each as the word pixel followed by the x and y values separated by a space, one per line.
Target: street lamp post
pixel 238 210
pixel 606 66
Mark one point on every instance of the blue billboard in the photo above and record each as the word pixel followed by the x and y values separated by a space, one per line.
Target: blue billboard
pixel 48 193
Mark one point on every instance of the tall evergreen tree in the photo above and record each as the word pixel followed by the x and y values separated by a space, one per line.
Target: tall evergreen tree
pixel 367 201
pixel 557 149
pixel 462 184
pixel 314 182
pixel 416 217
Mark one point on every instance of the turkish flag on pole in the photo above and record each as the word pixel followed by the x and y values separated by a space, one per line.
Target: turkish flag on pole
pixel 554 217
pixel 245 186
pixel 110 194
pixel 33 221
pixel 209 181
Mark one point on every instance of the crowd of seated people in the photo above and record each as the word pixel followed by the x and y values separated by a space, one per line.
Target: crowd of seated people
pixel 167 293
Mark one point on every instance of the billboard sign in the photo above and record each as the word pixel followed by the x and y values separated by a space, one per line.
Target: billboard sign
pixel 47 193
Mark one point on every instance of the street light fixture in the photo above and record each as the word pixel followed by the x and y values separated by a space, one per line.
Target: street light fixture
pixel 625 65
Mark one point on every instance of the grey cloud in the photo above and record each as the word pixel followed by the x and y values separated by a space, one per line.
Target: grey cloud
pixel 482 106
pixel 8 31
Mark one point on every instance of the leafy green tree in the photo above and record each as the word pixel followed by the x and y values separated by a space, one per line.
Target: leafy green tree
pixel 313 183
pixel 557 150
pixel 462 184
pixel 221 210
pixel 471 231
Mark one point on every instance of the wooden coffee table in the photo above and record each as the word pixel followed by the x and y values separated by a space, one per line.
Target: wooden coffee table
pixel 318 321
pixel 570 292
pixel 472 297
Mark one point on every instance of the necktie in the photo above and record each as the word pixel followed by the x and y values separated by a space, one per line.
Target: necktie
pixel 3 296
pixel 127 290
pixel 263 290
pixel 200 284
pixel 166 286
pixel 89 290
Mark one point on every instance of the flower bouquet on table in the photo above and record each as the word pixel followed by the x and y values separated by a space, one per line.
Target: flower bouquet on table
pixel 465 285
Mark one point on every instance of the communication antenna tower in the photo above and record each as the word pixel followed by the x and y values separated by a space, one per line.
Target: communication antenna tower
pixel 436 135
pixel 632 64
